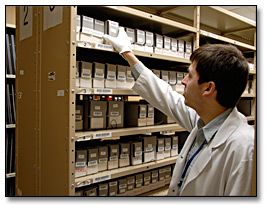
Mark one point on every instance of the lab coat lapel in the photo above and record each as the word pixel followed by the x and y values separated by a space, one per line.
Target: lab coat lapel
pixel 188 143
pixel 221 136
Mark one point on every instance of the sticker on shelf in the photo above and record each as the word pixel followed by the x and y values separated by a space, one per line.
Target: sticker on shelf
pixel 102 135
pixel 83 183
pixel 102 91
pixel 213 35
pixel 84 44
pixel 102 178
pixel 84 138
pixel 165 132
pixel 104 46
pixel 204 33
pixel 84 91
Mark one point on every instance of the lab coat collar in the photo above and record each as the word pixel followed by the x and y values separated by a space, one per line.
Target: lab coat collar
pixel 227 128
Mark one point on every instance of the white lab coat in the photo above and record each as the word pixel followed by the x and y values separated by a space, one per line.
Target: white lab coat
pixel 224 166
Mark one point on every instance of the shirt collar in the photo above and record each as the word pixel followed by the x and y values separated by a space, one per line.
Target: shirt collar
pixel 212 127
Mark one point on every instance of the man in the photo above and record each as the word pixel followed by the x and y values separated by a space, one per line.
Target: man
pixel 217 157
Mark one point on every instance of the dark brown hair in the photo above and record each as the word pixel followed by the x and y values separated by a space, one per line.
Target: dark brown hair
pixel 226 66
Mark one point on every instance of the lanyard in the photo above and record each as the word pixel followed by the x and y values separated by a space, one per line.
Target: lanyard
pixel 189 162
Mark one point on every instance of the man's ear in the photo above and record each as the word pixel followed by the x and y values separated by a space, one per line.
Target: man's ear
pixel 209 88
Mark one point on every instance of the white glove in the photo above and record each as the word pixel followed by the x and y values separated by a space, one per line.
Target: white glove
pixel 121 43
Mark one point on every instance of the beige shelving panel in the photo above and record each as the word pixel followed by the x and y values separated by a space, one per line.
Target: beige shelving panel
pixel 45 89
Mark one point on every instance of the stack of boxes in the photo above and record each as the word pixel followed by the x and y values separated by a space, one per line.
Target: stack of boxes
pixel 131 185
pixel 131 151
pixel 100 75
pixel 92 30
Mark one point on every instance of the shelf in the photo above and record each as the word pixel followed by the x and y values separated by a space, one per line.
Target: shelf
pixel 105 47
pixel 228 40
pixel 10 125
pixel 100 134
pixel 215 21
pixel 226 23
pixel 250 118
pixel 241 22
pixel 105 91
pixel 10 76
pixel 10 175
pixel 248 95
pixel 120 172
pixel 11 25
pixel 108 91
pixel 152 17
pixel 158 192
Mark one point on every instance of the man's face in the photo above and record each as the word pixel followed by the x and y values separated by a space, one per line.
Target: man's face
pixel 192 90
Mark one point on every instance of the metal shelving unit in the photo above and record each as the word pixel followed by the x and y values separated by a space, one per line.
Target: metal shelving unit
pixel 46 109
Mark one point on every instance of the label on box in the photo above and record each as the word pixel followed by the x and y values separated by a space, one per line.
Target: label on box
pixel 123 185
pixel 81 156
pixel 114 113
pixel 103 160
pixel 167 148
pixel 111 75
pixel 78 117
pixel 80 164
pixel 123 156
pixel 148 149
pixel 97 113
pixel 92 163
pixel 93 155
pixel 139 181
pixel 174 146
pixel 121 76
pixel 103 153
pixel 138 153
pixel 99 73
pixel 142 116
pixel 160 149
pixel 131 181
pixel 113 158
pixel 154 175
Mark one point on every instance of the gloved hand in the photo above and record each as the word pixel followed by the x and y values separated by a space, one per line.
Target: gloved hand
pixel 121 43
